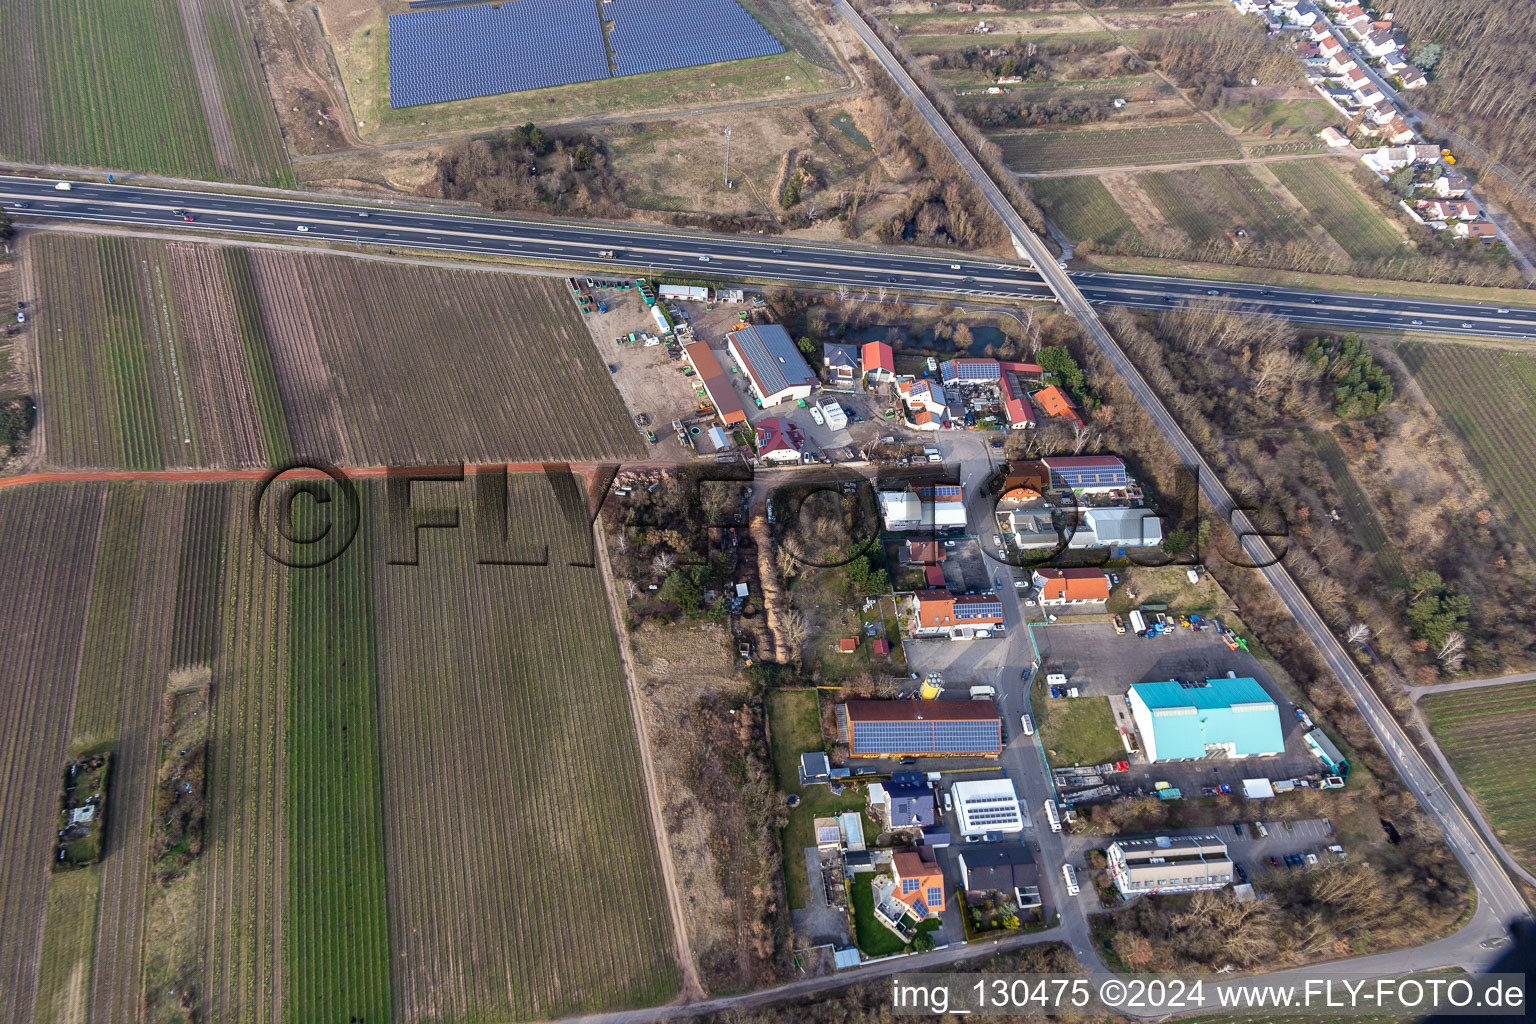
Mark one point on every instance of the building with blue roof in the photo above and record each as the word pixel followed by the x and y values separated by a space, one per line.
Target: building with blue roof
pixel 1184 721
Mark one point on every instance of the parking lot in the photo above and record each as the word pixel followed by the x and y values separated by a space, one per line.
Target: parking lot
pixel 1102 663
pixel 1252 851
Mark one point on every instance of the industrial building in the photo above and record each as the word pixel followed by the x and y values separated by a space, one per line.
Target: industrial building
pixel 1319 743
pixel 1118 528
pixel 1165 865
pixel 717 384
pixel 986 805
pixel 937 612
pixel 1189 720
pixel 1005 868
pixel 941 509
pixel 1087 473
pixel 775 369
pixel 912 728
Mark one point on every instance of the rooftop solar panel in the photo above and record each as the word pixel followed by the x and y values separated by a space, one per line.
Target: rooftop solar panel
pixel 458 53
pixel 657 35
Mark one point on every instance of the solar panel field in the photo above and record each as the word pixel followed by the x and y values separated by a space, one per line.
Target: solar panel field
pixel 440 55
pixel 658 35
pixel 387 819
pixel 163 355
pixel 127 84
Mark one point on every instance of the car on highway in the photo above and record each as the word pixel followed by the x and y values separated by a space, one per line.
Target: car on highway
pixel 1263 291
pixel 703 259
pixel 187 216
pixel 1212 291
pixel 1503 309
pixel 63 186
pixel 1418 323
pixel 954 266
pixel 1466 323
pixel 1316 302
pixel 778 252
pixel 302 227
pixel 362 213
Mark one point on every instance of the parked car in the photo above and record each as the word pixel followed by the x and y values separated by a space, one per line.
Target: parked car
pixel 1274 862
pixel 1242 873
pixel 1237 827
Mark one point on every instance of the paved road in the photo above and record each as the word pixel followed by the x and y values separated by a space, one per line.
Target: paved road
pixel 1499 902
pixel 1470 684
pixel 694 254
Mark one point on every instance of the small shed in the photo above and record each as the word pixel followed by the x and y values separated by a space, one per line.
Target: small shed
pixel 1257 789
pixel 848 645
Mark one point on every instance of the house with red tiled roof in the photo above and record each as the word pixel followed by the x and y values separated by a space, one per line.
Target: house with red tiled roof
pixel 777 441
pixel 919 882
pixel 1449 209
pixel 1054 401
pixel 938 612
pixel 923 552
pixel 1479 229
pixel 1072 586
pixel 879 362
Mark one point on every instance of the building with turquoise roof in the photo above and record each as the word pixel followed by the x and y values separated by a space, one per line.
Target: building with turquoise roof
pixel 1187 720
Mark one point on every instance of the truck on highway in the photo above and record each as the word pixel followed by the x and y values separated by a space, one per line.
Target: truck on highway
pixel 605 254
pixel 63 186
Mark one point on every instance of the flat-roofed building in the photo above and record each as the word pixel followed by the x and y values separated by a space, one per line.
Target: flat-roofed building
pixel 1165 864
pixel 986 805
pixel 1006 868
pixel 1184 721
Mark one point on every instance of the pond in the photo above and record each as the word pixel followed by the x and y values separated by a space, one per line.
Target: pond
pixel 907 340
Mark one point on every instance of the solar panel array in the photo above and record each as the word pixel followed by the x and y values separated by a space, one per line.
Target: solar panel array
pixel 458 53
pixel 925 737
pixel 657 35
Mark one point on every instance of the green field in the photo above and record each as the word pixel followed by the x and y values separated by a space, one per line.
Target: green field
pixel 1489 735
pixel 1277 120
pixel 1351 218
pixel 112 84
pixel 1085 211
pixel 1075 730
pixel 167 354
pixel 1064 148
pixel 1488 397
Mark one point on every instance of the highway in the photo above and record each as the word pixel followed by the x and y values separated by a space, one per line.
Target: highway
pixel 645 250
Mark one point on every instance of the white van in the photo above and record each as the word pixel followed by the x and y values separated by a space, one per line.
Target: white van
pixel 1263 832
pixel 1028 724
pixel 817 416
pixel 1071 877
pixel 63 186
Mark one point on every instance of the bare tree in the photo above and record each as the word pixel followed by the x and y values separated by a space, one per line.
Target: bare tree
pixel 1453 652
pixel 796 628
pixel 1081 435
pixel 631 590
pixel 663 563
pixel 1359 633
pixel 786 563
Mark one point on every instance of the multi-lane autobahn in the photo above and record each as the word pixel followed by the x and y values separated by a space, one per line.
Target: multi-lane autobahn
pixel 636 250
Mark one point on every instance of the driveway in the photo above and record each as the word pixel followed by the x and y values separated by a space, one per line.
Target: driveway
pixel 818 921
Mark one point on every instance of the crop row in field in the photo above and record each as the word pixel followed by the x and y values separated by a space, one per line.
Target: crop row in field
pixel 1488 397
pixel 1342 209
pixel 1086 211
pixel 47 539
pixel 111 83
pixel 159 355
pixel 1489 736
pixel 412 772
pixel 1358 509
pixel 513 793
pixel 1063 148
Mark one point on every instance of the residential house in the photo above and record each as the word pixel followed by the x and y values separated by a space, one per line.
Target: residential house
pixel 1078 587
pixel 841 363
pixel 1333 137
pixel 1379 42
pixel 777 441
pixel 1164 864
pixel 1007 869
pixel 1482 230
pixel 1332 49
pixel 1395 61
pixel 1305 15
pixel 919 882
pixel 1354 18
pixel 775 369
pixel 1450 209
pixel 904 802
pixel 1054 401
pixel 1412 77
pixel 1388 159
pixel 1012 380
pixel 1397 131
pixel 879 362
pixel 936 506
pixel 1453 185
pixel 1117 528
pixel 1086 473
pixel 926 402
pixel 960 616
pixel 1320 31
